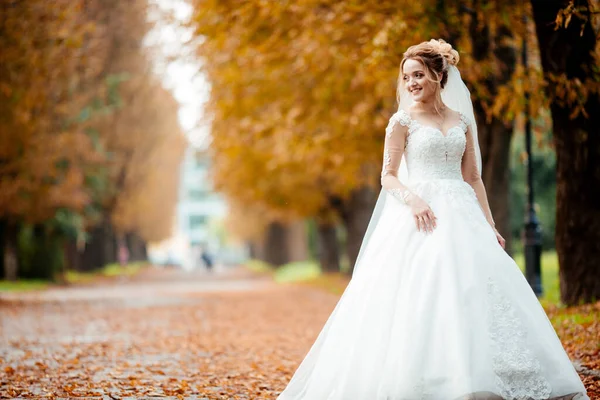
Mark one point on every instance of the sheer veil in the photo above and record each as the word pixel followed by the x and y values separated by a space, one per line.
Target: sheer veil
pixel 457 97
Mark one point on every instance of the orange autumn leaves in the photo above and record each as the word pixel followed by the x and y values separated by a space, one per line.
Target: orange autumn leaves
pixel 301 93
pixel 69 130
pixel 192 344
pixel 40 153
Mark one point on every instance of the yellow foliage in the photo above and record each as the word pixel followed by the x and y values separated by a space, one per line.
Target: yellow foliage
pixel 301 91
pixel 55 60
pixel 42 157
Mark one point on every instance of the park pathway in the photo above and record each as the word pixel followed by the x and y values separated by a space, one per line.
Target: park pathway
pixel 164 334
pixel 168 333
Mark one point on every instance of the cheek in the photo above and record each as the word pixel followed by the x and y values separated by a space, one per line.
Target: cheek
pixel 424 83
pixel 428 86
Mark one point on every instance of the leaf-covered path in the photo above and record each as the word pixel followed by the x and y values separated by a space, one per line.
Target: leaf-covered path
pixel 229 335
pixel 197 336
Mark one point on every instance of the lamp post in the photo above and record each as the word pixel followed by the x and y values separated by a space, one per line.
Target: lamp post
pixel 532 237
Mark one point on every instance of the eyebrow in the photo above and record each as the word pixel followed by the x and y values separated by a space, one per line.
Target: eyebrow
pixel 413 72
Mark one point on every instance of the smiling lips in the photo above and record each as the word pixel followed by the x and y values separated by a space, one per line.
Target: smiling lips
pixel 415 90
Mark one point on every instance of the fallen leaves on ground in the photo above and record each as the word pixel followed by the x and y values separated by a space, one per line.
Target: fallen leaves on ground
pixel 579 331
pixel 208 344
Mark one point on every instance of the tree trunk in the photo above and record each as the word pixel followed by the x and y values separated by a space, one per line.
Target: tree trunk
pixel 10 262
pixel 275 252
pixel 3 224
pixel 577 143
pixel 92 258
pixel 144 251
pixel 44 258
pixel 100 249
pixel 357 214
pixel 494 135
pixel 297 241
pixel 283 243
pixel 110 243
pixel 328 247
pixel 137 247
pixel 255 249
pixel 72 256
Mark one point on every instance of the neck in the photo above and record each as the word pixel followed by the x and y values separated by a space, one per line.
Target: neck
pixel 434 104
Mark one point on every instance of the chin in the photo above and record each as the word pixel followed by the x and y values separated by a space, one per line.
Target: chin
pixel 417 97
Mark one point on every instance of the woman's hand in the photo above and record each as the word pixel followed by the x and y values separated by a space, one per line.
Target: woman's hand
pixel 424 217
pixel 500 239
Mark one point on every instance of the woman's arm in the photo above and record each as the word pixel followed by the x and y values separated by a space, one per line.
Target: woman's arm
pixel 393 149
pixel 472 176
pixel 395 140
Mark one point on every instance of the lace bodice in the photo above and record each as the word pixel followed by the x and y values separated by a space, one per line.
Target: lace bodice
pixel 429 153
pixel 431 156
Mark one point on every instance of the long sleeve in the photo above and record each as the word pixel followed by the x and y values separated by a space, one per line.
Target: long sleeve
pixel 395 140
pixel 471 175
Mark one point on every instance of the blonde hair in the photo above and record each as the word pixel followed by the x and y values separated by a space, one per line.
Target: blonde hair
pixel 436 56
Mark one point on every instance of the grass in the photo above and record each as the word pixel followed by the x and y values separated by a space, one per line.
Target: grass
pixel 23 285
pixel 294 272
pixel 550 281
pixel 300 271
pixel 574 317
pixel 75 277
pixel 109 271
pixel 259 267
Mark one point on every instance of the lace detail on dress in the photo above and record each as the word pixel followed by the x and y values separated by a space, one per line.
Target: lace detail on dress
pixel 387 159
pixel 400 194
pixel 400 117
pixel 464 122
pixel 406 120
pixel 459 194
pixel 518 372
pixel 431 154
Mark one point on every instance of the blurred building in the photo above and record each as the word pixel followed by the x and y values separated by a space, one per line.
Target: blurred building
pixel 199 220
pixel 198 204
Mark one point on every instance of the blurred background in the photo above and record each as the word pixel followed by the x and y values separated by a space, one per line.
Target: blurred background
pixel 201 133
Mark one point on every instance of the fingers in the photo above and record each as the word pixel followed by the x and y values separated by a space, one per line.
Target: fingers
pixel 425 221
pixel 418 220
pixel 501 241
pixel 433 220
pixel 428 223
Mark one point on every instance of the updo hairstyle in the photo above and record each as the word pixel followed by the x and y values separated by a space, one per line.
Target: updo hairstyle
pixel 436 55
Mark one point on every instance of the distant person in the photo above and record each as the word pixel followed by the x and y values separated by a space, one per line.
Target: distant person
pixel 207 259
pixel 436 309
pixel 123 254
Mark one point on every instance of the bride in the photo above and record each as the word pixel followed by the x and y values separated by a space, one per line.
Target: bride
pixel 436 309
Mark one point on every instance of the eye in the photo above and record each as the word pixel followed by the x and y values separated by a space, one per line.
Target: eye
pixel 419 75
pixel 405 77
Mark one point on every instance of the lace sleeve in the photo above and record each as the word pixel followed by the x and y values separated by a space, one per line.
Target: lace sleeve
pixel 471 175
pixel 395 140
pixel 470 172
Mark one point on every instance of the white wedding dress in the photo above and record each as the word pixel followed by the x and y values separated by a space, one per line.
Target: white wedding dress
pixel 435 316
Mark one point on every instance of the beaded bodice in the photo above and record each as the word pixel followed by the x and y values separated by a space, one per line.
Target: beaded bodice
pixel 430 153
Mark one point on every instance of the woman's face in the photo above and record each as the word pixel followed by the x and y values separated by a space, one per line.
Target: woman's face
pixel 420 88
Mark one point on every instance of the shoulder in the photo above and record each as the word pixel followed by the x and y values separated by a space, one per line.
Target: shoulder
pixel 465 121
pixel 399 121
pixel 403 118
